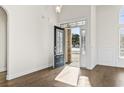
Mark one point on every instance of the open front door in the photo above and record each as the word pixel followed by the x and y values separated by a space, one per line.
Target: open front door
pixel 58 46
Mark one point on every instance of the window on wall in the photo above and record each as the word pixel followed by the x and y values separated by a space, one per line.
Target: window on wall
pixel 121 42
pixel 121 16
pixel 74 24
pixel 121 33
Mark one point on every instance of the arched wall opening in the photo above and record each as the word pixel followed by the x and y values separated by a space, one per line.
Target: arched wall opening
pixel 3 44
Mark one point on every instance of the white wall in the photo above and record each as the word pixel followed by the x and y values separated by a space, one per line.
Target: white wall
pixel 30 39
pixel 3 26
pixel 93 47
pixel 107 35
pixel 71 12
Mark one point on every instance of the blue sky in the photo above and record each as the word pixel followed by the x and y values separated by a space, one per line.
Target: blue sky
pixel 121 16
pixel 75 30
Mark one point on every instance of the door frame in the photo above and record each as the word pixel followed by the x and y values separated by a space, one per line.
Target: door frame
pixel 87 41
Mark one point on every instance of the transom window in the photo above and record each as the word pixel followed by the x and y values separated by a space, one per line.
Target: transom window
pixel 121 16
pixel 121 33
pixel 74 24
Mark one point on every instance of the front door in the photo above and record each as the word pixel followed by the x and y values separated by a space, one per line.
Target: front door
pixel 58 46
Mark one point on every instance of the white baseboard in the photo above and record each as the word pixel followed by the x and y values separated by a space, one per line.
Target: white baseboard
pixel 13 76
pixel 91 67
pixel 2 69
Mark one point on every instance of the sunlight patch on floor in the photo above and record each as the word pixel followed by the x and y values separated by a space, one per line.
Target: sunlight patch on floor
pixel 84 82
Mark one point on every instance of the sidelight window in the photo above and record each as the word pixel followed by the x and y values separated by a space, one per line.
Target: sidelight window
pixel 121 33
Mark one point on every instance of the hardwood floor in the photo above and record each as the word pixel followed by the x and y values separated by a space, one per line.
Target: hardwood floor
pixel 100 76
pixel 2 77
pixel 105 76
pixel 43 78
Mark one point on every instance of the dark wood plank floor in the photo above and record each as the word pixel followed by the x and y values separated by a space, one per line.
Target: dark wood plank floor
pixel 100 76
pixel 2 77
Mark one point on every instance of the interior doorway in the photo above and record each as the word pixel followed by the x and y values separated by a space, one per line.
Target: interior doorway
pixel 3 45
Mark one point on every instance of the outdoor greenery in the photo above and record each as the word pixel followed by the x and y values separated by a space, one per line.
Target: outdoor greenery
pixel 75 40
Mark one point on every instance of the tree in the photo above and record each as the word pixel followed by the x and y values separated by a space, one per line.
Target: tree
pixel 75 39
